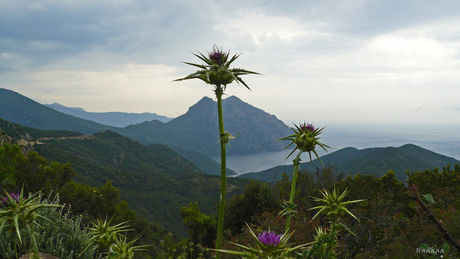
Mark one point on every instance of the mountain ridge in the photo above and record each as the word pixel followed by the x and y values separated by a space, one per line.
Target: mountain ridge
pixel 115 119
pixel 25 111
pixel 376 161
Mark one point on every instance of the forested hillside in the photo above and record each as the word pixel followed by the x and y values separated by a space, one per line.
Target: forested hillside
pixel 32 173
pixel 150 178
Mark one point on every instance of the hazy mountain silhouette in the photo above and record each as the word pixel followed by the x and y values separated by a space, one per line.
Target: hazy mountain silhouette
pixel 116 119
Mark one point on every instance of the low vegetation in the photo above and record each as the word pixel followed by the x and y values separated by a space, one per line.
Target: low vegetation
pixel 83 203
pixel 390 222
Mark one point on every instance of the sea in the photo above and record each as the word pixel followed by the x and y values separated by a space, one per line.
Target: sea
pixel 444 140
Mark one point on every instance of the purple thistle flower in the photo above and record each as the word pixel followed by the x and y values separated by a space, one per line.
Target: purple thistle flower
pixel 269 238
pixel 15 196
pixel 217 55
pixel 307 127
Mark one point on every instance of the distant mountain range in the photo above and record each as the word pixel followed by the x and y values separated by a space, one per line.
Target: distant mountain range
pixel 373 161
pixel 195 130
pixel 115 119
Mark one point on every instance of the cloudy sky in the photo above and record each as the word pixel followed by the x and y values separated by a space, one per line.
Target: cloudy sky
pixel 322 61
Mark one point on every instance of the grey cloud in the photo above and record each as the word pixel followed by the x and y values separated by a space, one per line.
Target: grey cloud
pixel 162 31
pixel 143 26
pixel 363 18
pixel 452 107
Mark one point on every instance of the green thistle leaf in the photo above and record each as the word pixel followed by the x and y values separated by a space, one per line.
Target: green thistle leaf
pixel 428 198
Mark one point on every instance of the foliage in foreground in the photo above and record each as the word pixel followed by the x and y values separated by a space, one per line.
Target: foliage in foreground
pixel 111 240
pixel 34 173
pixel 63 235
pixel 391 224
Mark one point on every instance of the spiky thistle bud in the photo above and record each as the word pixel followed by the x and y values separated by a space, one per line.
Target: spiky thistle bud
pixel 306 138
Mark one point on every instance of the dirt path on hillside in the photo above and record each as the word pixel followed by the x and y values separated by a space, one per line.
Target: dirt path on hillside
pixel 24 142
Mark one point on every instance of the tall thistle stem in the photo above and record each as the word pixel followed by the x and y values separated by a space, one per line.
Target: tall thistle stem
pixel 223 168
pixel 293 185
pixel 305 138
pixel 216 71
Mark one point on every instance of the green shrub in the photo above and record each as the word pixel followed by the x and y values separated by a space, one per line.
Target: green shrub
pixel 63 239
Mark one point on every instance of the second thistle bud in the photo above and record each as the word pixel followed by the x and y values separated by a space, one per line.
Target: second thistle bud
pixel 305 139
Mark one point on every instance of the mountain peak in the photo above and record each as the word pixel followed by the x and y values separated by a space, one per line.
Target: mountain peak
pixel 258 129
pixel 233 98
pixel 58 107
pixel 204 101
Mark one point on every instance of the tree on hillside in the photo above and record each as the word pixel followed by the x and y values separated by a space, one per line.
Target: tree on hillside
pixel 257 198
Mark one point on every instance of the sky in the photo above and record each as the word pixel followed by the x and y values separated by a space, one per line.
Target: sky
pixel 325 61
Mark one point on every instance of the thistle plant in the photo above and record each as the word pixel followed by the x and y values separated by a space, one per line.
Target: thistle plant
pixel 333 205
pixel 104 235
pixel 216 71
pixel 305 138
pixel 62 236
pixel 334 208
pixel 268 245
pixel 18 212
pixel 122 249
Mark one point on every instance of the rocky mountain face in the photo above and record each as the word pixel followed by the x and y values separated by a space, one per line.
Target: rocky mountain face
pixel 256 130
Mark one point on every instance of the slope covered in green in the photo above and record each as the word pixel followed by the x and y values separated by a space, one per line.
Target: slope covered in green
pixel 154 180
pixel 202 162
pixel 18 132
pixel 151 178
